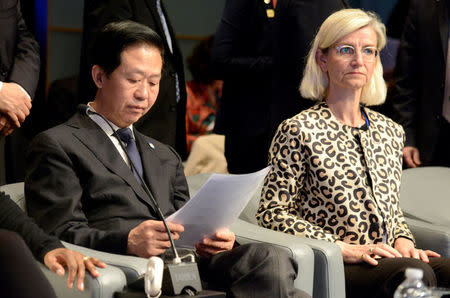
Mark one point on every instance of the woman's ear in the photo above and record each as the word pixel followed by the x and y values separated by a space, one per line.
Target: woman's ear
pixel 98 76
pixel 321 60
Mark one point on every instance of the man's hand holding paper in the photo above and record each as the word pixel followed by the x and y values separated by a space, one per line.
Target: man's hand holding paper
pixel 223 240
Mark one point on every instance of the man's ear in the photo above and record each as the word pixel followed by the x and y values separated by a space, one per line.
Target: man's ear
pixel 321 59
pixel 98 75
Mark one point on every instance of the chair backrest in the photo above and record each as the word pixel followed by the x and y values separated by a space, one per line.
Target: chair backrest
pixel 425 194
pixel 249 212
pixel 16 192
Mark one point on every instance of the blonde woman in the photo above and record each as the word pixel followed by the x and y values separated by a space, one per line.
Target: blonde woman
pixel 336 167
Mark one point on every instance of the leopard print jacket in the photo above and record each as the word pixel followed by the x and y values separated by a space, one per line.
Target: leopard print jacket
pixel 333 182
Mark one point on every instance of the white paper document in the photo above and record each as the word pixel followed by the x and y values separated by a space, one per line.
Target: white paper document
pixel 217 204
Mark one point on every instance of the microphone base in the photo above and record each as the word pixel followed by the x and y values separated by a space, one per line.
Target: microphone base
pixel 177 277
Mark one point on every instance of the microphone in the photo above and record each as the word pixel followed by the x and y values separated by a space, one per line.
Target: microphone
pixel 178 277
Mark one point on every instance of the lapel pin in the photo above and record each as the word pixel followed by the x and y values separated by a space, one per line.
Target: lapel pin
pixel 151 145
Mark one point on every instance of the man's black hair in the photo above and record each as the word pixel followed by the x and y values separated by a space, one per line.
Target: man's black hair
pixel 115 37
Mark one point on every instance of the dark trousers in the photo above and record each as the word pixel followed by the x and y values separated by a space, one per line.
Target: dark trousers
pixel 246 154
pixel 252 270
pixel 365 280
pixel 20 276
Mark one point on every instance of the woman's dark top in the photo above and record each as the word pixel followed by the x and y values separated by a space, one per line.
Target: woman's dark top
pixel 14 219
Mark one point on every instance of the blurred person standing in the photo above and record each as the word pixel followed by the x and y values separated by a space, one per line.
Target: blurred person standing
pixel 166 120
pixel 420 97
pixel 19 75
pixel 19 67
pixel 296 25
pixel 258 51
pixel 242 58
pixel 203 93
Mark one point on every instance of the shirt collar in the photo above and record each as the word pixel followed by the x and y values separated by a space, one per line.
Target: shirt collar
pixel 108 129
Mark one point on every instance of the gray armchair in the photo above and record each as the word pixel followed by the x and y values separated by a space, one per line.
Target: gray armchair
pixel 124 270
pixel 321 270
pixel 329 279
pixel 121 270
pixel 425 201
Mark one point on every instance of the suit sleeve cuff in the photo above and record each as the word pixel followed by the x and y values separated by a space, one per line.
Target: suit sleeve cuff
pixel 47 246
pixel 114 242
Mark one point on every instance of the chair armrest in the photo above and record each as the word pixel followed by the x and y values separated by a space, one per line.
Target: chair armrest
pixel 302 254
pixel 132 267
pixel 329 274
pixel 16 193
pixel 111 280
pixel 430 236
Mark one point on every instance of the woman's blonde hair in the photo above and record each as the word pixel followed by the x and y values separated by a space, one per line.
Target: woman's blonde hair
pixel 315 82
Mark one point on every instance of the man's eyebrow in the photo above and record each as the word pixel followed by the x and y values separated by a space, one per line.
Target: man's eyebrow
pixel 141 72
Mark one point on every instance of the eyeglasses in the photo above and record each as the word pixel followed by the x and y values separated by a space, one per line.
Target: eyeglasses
pixel 348 52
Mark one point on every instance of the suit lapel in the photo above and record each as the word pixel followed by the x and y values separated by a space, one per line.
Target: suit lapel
pixel 94 138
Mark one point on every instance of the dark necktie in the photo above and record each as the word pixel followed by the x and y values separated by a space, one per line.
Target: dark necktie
pixel 126 136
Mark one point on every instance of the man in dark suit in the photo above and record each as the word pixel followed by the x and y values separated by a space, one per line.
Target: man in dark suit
pixel 166 120
pixel 420 97
pixel 82 187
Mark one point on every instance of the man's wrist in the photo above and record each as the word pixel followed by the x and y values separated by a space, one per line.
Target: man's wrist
pixel 18 85
pixel 24 91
